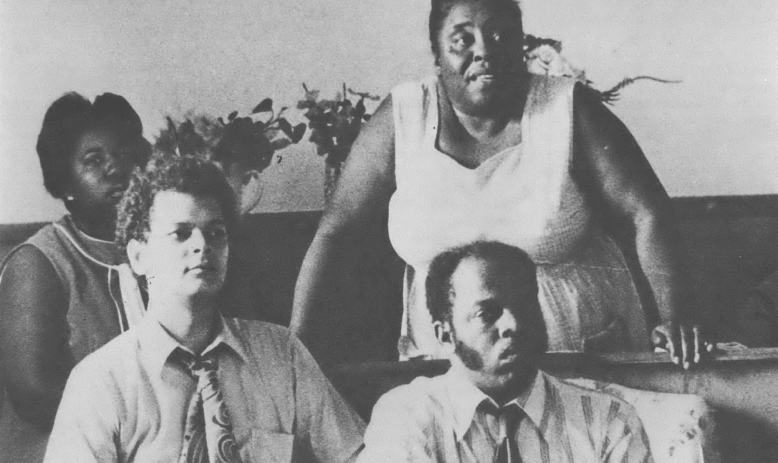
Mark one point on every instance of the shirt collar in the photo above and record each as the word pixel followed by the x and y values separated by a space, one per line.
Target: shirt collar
pixel 465 398
pixel 157 344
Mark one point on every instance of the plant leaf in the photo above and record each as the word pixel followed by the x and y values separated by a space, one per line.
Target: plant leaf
pixel 298 132
pixel 232 116
pixel 171 126
pixel 285 127
pixel 264 106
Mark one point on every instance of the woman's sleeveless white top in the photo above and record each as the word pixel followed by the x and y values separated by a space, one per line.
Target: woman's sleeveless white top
pixel 523 196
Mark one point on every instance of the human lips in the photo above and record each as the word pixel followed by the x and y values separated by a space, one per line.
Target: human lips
pixel 509 353
pixel 203 267
pixel 481 75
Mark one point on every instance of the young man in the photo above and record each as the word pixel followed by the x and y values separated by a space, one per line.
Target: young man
pixel 494 405
pixel 187 384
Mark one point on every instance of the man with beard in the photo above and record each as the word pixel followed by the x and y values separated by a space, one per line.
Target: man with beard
pixel 494 405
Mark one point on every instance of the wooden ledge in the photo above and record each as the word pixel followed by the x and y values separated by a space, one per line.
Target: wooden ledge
pixel 555 361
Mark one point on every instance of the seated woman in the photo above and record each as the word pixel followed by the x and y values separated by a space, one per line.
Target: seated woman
pixel 484 151
pixel 187 384
pixel 62 295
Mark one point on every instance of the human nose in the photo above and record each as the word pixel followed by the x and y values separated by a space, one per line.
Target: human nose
pixel 116 165
pixel 199 242
pixel 508 323
pixel 483 47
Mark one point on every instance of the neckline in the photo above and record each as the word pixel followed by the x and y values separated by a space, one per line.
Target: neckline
pixel 433 128
pixel 106 252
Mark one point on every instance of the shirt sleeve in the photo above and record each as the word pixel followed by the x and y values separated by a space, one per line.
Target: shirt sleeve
pixel 626 440
pixel 83 428
pixel 398 431
pixel 331 427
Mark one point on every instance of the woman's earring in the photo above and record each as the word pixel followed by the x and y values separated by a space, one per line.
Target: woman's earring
pixel 69 198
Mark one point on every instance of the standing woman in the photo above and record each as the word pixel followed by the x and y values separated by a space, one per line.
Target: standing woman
pixel 61 295
pixel 485 151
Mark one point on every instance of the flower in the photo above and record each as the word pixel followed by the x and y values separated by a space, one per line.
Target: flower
pixel 546 60
pixel 544 57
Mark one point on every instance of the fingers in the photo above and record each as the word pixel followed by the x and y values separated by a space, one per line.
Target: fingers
pixel 674 343
pixel 686 348
pixel 698 343
pixel 662 337
pixel 695 344
pixel 685 343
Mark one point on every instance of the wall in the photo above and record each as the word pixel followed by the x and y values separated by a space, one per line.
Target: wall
pixel 713 134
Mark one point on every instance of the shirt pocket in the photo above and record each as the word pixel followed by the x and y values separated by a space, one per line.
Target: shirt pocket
pixel 266 446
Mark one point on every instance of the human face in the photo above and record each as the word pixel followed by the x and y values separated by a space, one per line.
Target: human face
pixel 245 183
pixel 99 171
pixel 496 325
pixel 185 252
pixel 481 56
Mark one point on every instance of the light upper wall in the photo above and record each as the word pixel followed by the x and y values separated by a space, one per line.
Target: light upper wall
pixel 716 133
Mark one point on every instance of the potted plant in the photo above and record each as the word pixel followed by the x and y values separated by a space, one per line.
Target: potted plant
pixel 242 146
pixel 334 124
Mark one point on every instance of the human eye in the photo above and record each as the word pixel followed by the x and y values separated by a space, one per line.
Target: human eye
pixel 215 233
pixel 489 312
pixel 503 33
pixel 181 233
pixel 219 232
pixel 461 40
pixel 92 158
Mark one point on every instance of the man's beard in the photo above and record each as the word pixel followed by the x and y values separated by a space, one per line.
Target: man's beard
pixel 469 357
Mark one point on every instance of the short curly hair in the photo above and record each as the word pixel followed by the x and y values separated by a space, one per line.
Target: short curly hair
pixel 439 10
pixel 443 266
pixel 189 174
pixel 68 118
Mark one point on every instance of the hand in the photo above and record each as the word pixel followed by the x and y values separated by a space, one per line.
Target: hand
pixel 686 343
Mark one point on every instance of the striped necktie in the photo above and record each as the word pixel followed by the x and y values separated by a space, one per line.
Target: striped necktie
pixel 208 436
pixel 509 418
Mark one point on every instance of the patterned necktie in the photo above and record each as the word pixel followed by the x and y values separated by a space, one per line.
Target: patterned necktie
pixel 208 436
pixel 509 418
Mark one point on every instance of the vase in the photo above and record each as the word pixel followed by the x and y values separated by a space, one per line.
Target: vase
pixel 331 176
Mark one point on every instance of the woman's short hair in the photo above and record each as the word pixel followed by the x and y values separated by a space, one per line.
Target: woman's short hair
pixel 65 122
pixel 441 8
pixel 443 266
pixel 191 174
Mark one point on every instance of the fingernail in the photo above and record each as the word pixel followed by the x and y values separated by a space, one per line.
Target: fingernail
pixel 685 365
pixel 697 357
pixel 676 360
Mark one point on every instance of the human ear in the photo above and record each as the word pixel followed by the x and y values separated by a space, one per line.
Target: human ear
pixel 136 256
pixel 443 332
pixel 445 336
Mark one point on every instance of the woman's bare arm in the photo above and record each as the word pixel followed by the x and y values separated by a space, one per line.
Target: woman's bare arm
pixel 362 194
pixel 611 166
pixel 34 353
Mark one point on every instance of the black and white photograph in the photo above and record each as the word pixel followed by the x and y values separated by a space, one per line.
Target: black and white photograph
pixel 389 231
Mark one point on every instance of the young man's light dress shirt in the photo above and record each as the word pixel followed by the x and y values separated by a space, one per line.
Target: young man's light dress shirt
pixel 128 401
pixel 439 420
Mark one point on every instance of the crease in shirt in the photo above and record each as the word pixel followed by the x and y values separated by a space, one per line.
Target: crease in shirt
pixel 157 344
pixel 464 399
